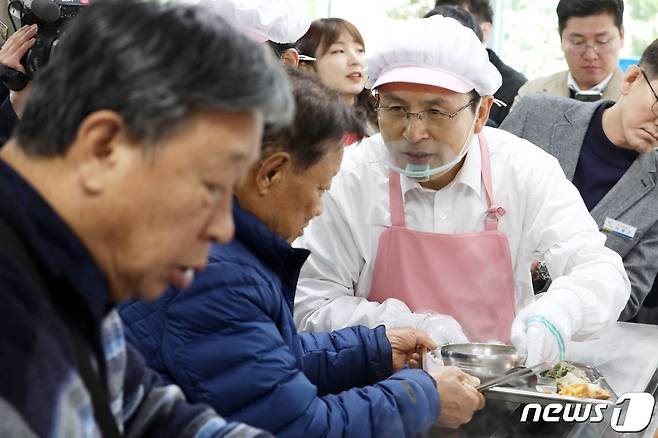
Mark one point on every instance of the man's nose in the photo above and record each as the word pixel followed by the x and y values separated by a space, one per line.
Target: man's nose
pixel 221 227
pixel 590 53
pixel 415 130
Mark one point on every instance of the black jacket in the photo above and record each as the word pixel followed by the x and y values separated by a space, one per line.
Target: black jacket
pixel 512 81
pixel 8 120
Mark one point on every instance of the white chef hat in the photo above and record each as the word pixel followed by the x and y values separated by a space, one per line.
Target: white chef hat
pixel 279 21
pixel 436 51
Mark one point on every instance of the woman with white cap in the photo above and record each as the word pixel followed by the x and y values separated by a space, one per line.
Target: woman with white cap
pixel 334 50
pixel 441 215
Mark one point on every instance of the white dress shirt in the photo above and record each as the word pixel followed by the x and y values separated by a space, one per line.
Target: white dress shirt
pixel 546 219
pixel 600 87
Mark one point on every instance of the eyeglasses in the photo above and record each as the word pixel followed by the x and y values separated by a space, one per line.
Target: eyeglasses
pixel 600 47
pixel 654 107
pixel 397 114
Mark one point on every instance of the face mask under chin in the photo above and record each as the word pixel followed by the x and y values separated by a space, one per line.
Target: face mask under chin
pixel 423 172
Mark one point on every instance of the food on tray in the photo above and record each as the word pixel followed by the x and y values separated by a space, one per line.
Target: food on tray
pixel 584 390
pixel 572 381
pixel 574 376
pixel 566 374
pixel 560 370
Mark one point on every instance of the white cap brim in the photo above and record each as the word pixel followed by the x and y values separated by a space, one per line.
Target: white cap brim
pixel 417 74
pixel 255 36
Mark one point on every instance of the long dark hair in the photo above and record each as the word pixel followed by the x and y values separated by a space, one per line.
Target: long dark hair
pixel 323 33
pixel 316 42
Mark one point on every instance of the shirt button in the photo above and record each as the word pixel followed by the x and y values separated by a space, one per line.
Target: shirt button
pixel 442 215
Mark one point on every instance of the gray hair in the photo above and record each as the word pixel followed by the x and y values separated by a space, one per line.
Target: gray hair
pixel 153 64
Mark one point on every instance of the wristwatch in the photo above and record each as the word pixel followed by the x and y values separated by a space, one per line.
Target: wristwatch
pixel 542 270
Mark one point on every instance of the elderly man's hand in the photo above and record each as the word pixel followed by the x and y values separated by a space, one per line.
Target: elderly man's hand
pixel 17 46
pixel 407 345
pixel 459 398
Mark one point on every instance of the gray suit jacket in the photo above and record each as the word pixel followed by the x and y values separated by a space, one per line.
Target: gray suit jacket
pixel 558 125
pixel 556 84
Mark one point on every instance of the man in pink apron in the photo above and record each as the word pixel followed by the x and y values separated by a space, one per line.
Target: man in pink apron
pixel 435 222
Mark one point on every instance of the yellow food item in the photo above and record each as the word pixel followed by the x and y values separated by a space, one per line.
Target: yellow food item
pixel 584 390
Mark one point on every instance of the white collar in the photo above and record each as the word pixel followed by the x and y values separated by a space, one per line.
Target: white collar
pixel 600 87
pixel 469 175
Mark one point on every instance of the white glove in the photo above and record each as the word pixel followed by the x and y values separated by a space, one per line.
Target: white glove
pixel 538 343
pixel 541 330
pixel 443 329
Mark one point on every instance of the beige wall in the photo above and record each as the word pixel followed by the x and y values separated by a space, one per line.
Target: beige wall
pixel 5 19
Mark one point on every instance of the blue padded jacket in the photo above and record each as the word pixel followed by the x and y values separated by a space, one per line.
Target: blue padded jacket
pixel 229 340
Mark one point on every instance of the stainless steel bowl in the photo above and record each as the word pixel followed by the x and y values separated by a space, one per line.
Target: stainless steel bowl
pixel 484 361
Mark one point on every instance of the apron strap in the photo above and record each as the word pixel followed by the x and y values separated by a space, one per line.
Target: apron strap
pixel 395 199
pixel 495 211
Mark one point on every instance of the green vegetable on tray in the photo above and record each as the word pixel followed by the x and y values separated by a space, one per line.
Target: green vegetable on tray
pixel 560 370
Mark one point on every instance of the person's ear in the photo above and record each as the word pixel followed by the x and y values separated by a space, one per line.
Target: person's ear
pixel 272 170
pixel 290 57
pixel 483 114
pixel 485 26
pixel 99 149
pixel 621 36
pixel 632 75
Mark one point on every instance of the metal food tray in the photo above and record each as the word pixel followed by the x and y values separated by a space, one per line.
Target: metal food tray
pixel 531 395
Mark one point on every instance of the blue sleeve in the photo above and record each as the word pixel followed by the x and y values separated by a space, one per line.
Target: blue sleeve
pixel 223 348
pixel 364 352
pixel 151 408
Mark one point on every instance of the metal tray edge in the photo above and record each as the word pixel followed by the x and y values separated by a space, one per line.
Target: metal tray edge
pixel 527 396
pixel 519 395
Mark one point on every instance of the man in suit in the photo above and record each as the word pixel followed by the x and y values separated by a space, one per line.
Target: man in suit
pixel 608 150
pixel 592 33
pixel 512 80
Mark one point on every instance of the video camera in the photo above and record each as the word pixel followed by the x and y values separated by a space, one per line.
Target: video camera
pixel 51 17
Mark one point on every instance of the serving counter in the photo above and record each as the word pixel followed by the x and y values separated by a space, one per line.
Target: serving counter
pixel 626 354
